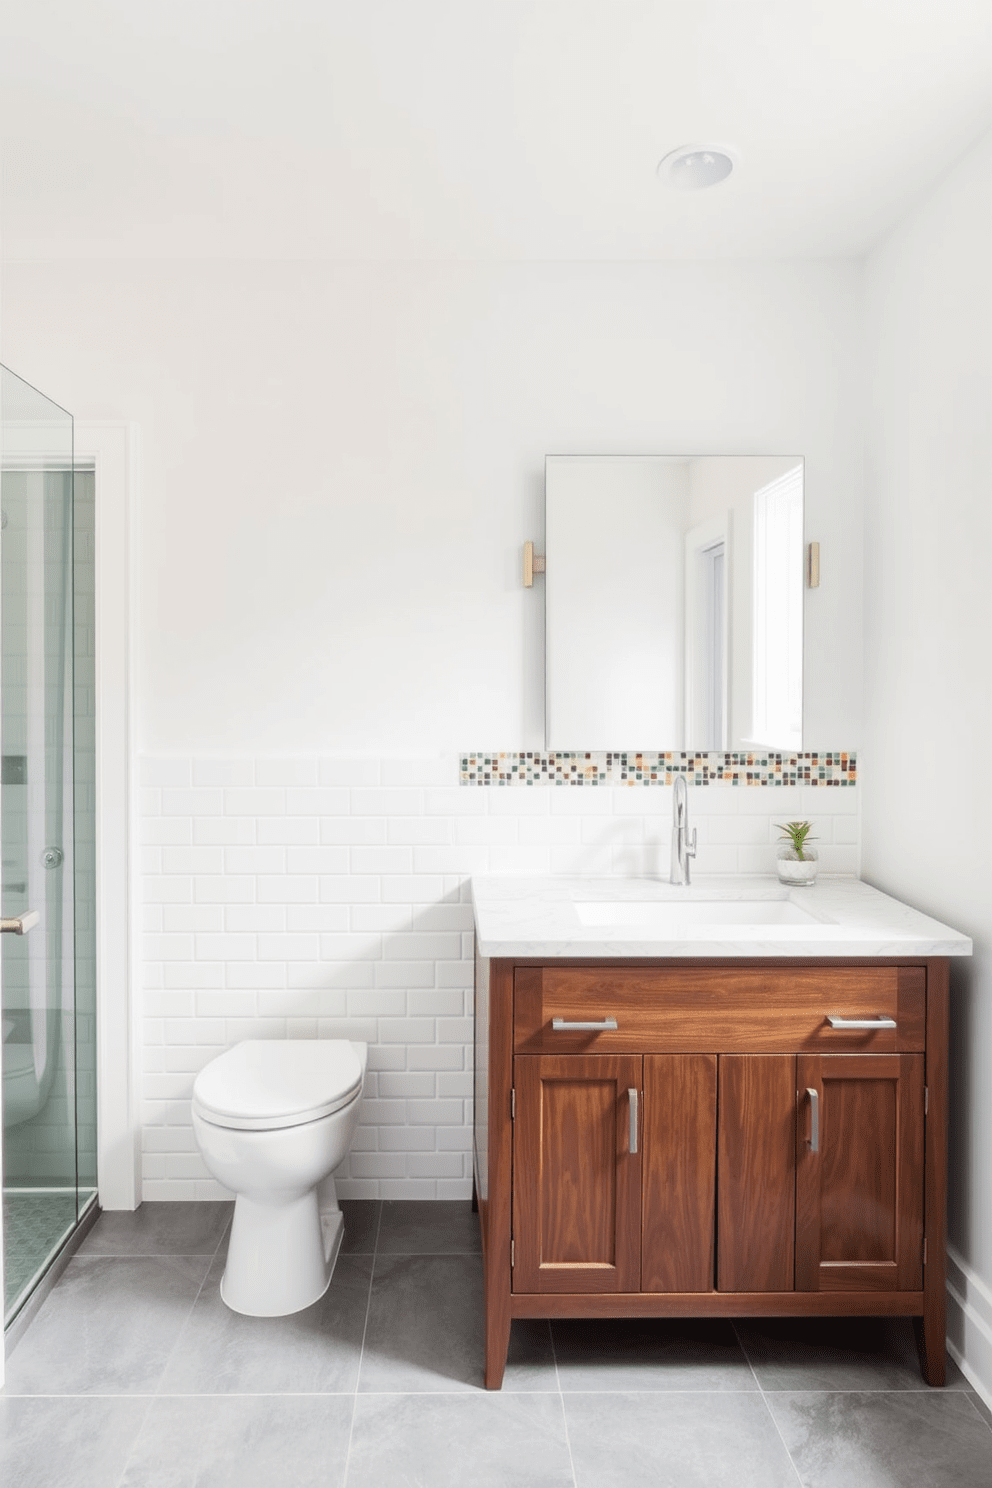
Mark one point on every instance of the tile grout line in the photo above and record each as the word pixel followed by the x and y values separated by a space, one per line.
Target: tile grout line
pixel 223 1236
pixel 778 1433
pixel 765 1402
pixel 361 1352
pixel 747 1357
pixel 561 1399
pixel 466 1393
pixel 646 1390
pixel 971 1394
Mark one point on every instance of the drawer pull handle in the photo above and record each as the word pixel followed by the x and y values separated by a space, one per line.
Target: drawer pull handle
pixel 632 1097
pixel 814 1119
pixel 881 1022
pixel 607 1025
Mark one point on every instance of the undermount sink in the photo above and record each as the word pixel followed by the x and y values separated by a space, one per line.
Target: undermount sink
pixel 664 913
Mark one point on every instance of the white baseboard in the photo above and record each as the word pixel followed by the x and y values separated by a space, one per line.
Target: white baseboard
pixel 969 1324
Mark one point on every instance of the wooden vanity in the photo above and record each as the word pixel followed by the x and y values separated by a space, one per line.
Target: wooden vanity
pixel 730 1137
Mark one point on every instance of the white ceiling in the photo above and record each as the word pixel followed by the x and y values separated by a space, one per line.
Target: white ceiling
pixel 457 129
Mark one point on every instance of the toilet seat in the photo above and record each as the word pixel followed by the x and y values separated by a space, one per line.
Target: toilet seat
pixel 270 1084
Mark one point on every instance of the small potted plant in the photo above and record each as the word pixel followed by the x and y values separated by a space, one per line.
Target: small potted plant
pixel 797 861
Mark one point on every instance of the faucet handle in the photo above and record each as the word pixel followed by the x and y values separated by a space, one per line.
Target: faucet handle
pixel 690 844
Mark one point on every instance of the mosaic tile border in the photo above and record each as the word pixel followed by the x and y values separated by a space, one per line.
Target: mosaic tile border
pixel 834 768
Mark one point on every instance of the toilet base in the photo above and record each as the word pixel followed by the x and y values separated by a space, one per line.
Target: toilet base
pixel 280 1257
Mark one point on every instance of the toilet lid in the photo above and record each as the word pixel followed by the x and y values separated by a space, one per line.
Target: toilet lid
pixel 265 1084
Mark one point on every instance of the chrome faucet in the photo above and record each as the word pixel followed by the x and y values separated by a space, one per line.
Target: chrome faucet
pixel 683 847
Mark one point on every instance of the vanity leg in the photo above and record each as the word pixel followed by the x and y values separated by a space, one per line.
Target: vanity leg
pixel 931 1343
pixel 475 1198
pixel 497 1338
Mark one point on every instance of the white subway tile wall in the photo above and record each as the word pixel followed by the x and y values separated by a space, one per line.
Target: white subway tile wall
pixel 305 898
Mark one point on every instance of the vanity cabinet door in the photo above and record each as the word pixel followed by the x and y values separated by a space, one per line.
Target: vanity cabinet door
pixel 679 1173
pixel 757 1173
pixel 576 1174
pixel 859 1194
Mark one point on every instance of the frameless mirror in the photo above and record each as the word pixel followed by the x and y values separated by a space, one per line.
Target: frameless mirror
pixel 674 595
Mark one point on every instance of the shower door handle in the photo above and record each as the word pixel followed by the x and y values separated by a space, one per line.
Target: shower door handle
pixel 20 924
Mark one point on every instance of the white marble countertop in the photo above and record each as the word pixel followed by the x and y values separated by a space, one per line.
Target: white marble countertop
pixel 612 917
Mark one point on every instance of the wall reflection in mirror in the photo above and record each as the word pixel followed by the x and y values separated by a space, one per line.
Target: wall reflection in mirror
pixel 674 593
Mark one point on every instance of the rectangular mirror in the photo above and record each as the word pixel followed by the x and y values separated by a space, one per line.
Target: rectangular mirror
pixel 674 602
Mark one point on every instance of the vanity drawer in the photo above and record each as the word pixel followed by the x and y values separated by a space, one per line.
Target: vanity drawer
pixel 727 1010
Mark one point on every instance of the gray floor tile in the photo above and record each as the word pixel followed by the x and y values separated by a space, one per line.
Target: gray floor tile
pixel 243 1442
pixel 530 1359
pixel 222 1352
pixel 669 1440
pixel 488 1441
pixel 899 1439
pixel 361 1225
pixel 425 1330
pixel 428 1227
pixel 836 1354
pixel 425 1324
pixel 160 1229
pixel 650 1354
pixel 71 1443
pixel 108 1326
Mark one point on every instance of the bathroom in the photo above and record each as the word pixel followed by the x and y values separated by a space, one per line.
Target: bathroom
pixel 326 422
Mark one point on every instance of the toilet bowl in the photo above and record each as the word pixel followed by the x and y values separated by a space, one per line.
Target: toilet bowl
pixel 273 1118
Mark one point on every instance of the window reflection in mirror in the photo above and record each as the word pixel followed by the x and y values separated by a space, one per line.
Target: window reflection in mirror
pixel 777 608
pixel 674 593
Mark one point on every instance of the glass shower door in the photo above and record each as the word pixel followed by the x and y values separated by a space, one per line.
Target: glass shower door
pixel 42 1196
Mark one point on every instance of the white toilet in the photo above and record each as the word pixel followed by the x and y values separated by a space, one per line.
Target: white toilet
pixel 273 1118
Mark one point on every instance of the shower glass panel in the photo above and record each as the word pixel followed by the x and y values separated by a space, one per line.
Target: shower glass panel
pixel 47 820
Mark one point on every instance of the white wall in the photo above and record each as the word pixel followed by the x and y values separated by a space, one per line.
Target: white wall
pixel 927 821
pixel 340 464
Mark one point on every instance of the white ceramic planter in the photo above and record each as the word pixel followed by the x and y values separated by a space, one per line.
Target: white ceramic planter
pixel 797 872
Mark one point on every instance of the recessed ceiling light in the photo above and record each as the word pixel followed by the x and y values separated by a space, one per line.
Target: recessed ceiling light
pixel 694 167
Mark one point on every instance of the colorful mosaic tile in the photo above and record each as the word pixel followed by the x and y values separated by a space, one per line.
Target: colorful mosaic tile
pixel 834 768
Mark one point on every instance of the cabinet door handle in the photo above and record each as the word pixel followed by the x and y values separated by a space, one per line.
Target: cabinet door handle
pixel 632 1097
pixel 881 1021
pixel 605 1026
pixel 814 1118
